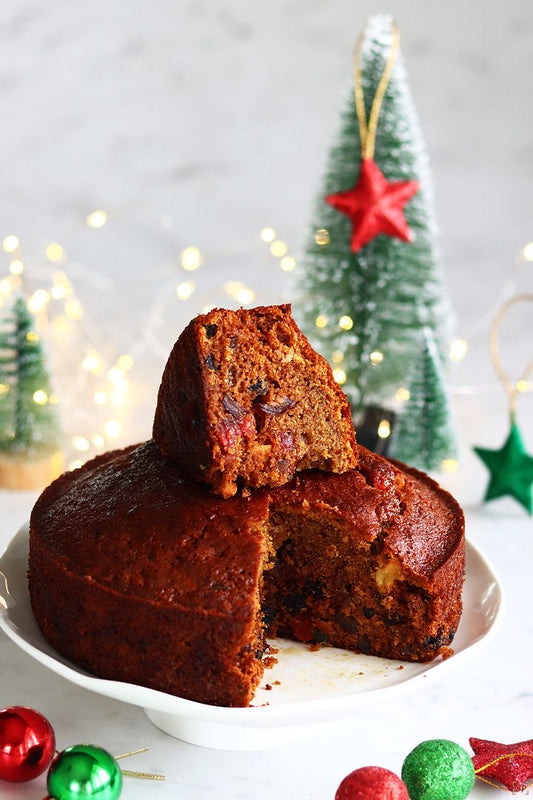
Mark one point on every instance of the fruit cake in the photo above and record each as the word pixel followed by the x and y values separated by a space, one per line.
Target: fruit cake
pixel 139 574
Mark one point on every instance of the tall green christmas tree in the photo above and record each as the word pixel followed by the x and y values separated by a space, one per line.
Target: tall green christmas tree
pixel 29 424
pixel 370 280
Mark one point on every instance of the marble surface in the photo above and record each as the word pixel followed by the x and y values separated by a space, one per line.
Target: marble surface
pixel 200 123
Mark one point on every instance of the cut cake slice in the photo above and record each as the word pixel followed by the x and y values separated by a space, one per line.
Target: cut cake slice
pixel 245 401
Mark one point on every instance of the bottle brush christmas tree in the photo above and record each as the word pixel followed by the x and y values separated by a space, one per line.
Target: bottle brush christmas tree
pixel 29 424
pixel 370 282
pixel 423 435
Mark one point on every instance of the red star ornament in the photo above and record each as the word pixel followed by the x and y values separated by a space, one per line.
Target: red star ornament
pixel 510 764
pixel 375 205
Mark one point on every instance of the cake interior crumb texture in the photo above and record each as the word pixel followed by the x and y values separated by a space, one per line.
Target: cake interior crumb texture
pixel 245 401
pixel 140 575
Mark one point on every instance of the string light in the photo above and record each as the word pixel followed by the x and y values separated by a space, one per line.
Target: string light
pixel 92 362
pixel 384 429
pixel 10 243
pixel 15 282
pixel 322 237
pixel 184 290
pixel 321 321
pixel 239 292
pixel 100 398
pixel 54 252
pixel 121 386
pixel 125 362
pixel 96 219
pixel 63 311
pixel 73 309
pixel 81 443
pixel 112 428
pixel 38 300
pixel 339 375
pixel 40 397
pixel 376 357
pixel 115 375
pixel 232 287
pixel 57 292
pixel 287 264
pixel 268 234
pixel 527 251
pixel 60 325
pixel 62 286
pixel 190 258
pixel 523 386
pixel 450 465
pixel 16 267
pixel 458 349
pixel 337 356
pixel 346 323
pixel 278 248
pixel 402 394
pixel 245 296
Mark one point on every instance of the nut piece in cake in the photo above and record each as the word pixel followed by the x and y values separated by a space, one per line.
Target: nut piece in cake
pixel 246 401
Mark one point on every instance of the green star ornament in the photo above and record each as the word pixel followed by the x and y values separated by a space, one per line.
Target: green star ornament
pixel 511 469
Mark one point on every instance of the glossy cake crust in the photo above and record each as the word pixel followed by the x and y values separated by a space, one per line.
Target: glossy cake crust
pixel 140 575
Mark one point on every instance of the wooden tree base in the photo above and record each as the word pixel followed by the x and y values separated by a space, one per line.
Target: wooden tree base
pixel 24 472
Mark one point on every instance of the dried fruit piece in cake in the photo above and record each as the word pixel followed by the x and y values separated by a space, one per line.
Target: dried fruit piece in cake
pixel 246 401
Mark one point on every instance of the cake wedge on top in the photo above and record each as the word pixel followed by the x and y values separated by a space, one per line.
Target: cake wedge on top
pixel 246 401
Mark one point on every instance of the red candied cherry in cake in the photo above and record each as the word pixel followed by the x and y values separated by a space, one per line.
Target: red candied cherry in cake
pixel 372 783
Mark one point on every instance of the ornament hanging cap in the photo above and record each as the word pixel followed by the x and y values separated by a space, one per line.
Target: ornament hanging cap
pixel 367 129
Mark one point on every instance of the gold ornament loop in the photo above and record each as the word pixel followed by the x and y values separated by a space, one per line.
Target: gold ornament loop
pixel 504 757
pixel 368 130
pixel 511 387
pixel 150 776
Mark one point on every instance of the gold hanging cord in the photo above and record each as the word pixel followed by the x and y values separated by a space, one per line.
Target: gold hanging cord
pixel 512 388
pixel 368 130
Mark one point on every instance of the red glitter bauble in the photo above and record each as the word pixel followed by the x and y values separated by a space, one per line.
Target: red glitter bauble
pixel 27 744
pixel 372 783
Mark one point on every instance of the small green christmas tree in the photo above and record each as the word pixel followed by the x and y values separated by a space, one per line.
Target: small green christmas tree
pixel 423 437
pixel 364 300
pixel 29 424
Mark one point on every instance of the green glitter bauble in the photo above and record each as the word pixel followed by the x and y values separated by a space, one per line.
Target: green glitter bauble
pixel 438 770
pixel 84 771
